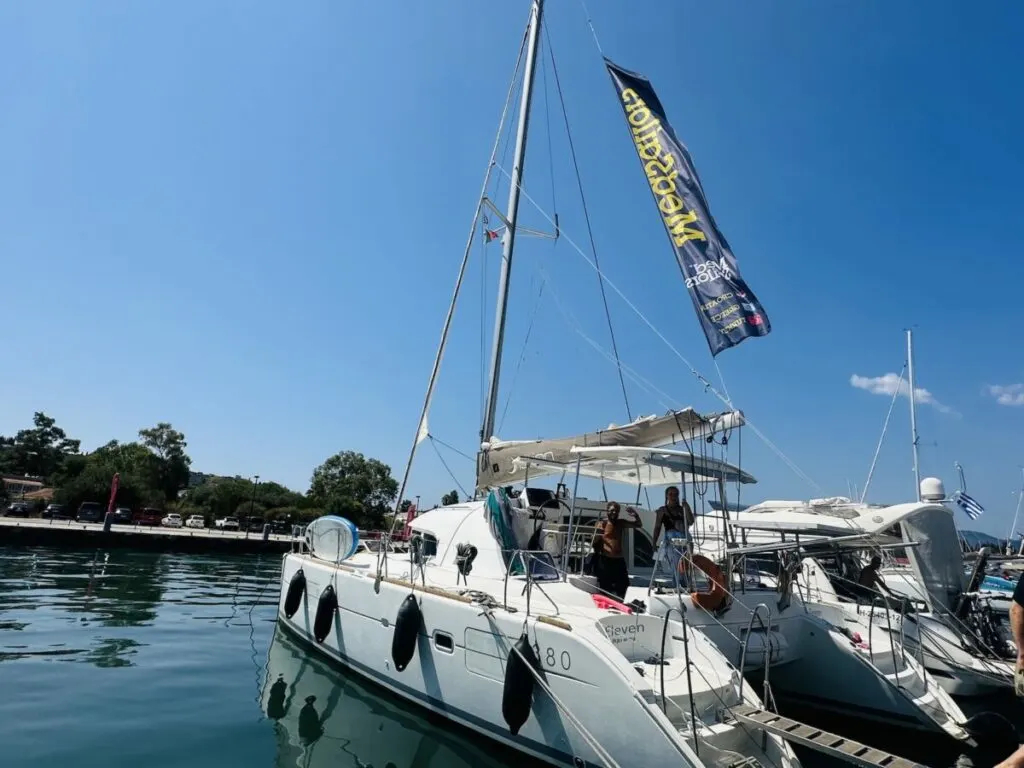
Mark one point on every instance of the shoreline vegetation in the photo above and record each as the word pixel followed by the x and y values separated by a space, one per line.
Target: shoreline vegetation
pixel 156 471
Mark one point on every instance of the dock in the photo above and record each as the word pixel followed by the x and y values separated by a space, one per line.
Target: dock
pixel 69 534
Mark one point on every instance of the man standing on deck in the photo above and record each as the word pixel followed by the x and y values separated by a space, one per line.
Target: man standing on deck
pixel 1017 626
pixel 613 575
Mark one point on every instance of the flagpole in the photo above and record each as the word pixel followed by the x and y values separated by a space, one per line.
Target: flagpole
pixel 913 412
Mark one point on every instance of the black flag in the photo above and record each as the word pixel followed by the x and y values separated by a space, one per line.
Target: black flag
pixel 728 310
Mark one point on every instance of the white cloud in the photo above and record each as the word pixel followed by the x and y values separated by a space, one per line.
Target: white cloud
pixel 1010 394
pixel 886 385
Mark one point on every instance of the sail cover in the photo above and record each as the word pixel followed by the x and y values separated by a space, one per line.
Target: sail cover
pixel 501 462
pixel 937 560
pixel 728 310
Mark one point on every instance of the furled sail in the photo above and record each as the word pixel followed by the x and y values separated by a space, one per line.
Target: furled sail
pixel 501 462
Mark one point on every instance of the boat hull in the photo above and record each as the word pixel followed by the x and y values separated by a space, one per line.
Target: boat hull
pixel 464 683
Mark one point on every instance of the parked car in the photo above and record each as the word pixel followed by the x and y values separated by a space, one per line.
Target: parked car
pixel 57 512
pixel 149 516
pixel 123 515
pixel 173 520
pixel 18 509
pixel 195 521
pixel 227 523
pixel 90 512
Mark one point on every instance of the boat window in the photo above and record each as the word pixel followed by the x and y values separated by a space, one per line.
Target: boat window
pixel 428 548
pixel 444 642
pixel 643 549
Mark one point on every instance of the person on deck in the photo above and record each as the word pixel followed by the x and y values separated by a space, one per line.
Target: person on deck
pixel 612 574
pixel 675 518
pixel 1017 627
pixel 870 580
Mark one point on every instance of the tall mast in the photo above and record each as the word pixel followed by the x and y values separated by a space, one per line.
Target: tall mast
pixel 508 242
pixel 913 412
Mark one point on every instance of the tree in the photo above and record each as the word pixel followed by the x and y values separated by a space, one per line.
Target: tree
pixel 452 497
pixel 350 485
pixel 168 445
pixel 138 483
pixel 40 451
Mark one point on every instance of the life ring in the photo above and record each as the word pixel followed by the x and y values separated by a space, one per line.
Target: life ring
pixel 713 599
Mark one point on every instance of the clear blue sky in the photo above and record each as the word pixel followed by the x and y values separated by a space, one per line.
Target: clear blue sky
pixel 246 219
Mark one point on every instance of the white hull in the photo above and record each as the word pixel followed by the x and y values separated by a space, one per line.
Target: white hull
pixel 927 638
pixel 815 664
pixel 584 670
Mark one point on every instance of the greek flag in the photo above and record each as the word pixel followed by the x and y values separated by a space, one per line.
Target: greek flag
pixel 970 507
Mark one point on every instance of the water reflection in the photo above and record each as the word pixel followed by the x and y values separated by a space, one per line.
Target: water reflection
pixel 324 717
pixel 89 606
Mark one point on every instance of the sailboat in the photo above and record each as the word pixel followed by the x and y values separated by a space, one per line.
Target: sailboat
pixel 482 631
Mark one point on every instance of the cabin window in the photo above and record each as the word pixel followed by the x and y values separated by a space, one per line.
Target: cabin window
pixel 428 546
pixel 643 549
pixel 444 642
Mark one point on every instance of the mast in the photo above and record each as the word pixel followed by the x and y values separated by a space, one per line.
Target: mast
pixel 1016 514
pixel 508 242
pixel 913 412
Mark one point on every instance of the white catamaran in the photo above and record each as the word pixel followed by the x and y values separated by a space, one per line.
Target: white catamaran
pixel 482 623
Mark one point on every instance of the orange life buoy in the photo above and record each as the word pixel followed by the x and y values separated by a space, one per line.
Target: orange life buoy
pixel 711 600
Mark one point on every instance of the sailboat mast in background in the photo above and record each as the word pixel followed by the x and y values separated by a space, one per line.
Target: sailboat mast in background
pixel 913 413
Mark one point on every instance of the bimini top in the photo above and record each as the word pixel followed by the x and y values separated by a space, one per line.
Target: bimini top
pixel 509 462
pixel 637 465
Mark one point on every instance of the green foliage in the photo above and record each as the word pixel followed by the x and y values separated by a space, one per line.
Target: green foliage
pixel 137 466
pixel 352 486
pixel 232 496
pixel 39 452
pixel 155 471
pixel 168 445
pixel 452 497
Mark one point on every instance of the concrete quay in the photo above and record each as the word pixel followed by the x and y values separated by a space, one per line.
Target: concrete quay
pixel 73 535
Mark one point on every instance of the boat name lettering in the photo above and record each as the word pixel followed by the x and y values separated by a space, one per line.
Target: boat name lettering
pixel 659 165
pixel 624 633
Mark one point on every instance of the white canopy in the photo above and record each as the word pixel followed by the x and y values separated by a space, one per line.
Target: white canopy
pixel 636 465
pixel 509 462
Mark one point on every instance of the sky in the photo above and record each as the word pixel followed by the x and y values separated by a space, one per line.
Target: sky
pixel 247 219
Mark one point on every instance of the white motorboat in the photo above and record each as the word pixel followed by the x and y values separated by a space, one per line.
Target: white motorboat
pixel 947 628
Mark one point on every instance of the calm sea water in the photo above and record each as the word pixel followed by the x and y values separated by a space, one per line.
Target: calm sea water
pixel 173 660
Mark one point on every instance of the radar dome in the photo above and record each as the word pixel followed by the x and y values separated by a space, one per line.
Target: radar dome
pixel 932 489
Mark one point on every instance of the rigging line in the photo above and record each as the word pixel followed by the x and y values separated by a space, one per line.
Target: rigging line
pixel 697 374
pixel 453 448
pixel 590 23
pixel 881 438
pixel 721 378
pixel 458 283
pixel 445 464
pixel 586 218
pixel 547 117
pixel 663 399
pixel 522 358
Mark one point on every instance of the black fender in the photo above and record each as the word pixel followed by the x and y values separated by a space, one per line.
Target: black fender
pixel 296 591
pixel 407 632
pixel 517 696
pixel 326 607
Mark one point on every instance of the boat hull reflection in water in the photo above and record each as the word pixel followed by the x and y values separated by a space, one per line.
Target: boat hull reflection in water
pixel 325 717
